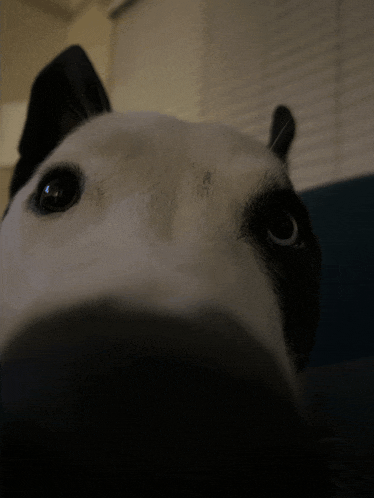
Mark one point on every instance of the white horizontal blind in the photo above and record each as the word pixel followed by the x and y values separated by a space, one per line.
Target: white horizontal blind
pixel 248 56
pixel 301 71
pixel 356 87
pixel 317 58
pixel 321 63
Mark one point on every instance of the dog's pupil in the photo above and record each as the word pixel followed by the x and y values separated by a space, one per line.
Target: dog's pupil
pixel 281 225
pixel 59 194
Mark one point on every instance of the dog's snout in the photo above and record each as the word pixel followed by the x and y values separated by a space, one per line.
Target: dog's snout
pixel 164 391
pixel 82 347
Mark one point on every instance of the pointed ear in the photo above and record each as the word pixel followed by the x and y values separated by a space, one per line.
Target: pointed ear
pixel 282 132
pixel 66 93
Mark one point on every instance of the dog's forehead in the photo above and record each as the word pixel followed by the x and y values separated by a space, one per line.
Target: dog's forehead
pixel 155 145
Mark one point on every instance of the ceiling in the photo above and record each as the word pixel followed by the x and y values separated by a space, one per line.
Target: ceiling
pixel 64 9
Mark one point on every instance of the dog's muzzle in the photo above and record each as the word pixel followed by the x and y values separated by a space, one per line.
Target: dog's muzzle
pixel 112 387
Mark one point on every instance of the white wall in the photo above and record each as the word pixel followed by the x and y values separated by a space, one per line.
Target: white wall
pixel 156 58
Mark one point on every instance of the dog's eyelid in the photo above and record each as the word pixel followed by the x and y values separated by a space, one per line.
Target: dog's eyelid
pixel 62 166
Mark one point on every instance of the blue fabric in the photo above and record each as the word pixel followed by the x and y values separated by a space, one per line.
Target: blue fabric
pixel 339 380
pixel 343 219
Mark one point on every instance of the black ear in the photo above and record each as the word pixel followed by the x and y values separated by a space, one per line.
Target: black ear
pixel 65 93
pixel 282 132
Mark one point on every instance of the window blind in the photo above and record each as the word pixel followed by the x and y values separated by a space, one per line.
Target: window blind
pixel 235 61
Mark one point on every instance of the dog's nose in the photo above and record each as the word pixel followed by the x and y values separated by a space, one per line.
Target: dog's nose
pixel 98 340
pixel 154 381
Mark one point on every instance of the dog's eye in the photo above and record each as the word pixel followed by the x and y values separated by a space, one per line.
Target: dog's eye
pixel 58 191
pixel 282 228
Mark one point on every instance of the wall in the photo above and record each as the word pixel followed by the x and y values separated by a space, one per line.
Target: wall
pixel 92 30
pixel 156 57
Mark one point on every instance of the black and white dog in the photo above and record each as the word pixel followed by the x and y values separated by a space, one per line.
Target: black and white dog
pixel 159 294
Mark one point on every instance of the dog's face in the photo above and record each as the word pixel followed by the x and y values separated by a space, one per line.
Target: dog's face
pixel 159 291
